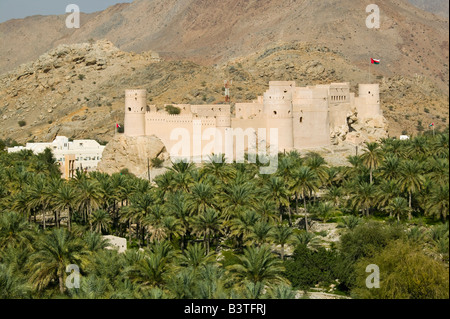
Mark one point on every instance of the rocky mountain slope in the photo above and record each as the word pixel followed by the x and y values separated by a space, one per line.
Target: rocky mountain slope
pixel 78 90
pixel 410 41
pixel 439 7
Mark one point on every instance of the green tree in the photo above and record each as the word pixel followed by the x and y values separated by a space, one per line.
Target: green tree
pixel 411 180
pixel 207 224
pixel 372 157
pixel 258 264
pixel 398 207
pixel 54 253
pixel 406 273
pixel 281 235
pixel 304 182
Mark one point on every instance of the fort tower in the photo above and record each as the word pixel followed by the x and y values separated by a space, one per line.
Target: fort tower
pixel 135 109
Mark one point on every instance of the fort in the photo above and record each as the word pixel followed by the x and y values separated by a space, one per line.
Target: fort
pixel 303 117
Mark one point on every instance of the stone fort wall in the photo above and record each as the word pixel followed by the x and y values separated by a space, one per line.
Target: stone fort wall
pixel 303 116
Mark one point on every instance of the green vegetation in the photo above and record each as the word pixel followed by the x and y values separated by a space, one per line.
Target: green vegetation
pixel 225 231
pixel 157 162
pixel 173 110
pixel 22 123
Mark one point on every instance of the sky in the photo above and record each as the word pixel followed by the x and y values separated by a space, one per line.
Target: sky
pixel 16 9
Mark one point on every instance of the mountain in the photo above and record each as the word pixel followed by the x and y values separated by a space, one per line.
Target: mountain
pixel 410 40
pixel 439 7
pixel 78 90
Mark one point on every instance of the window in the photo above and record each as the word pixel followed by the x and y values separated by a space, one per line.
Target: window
pixel 301 120
pixel 129 109
pixel 275 112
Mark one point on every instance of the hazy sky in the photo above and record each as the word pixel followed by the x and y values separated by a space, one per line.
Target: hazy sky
pixel 16 9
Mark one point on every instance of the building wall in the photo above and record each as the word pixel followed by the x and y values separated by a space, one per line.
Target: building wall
pixel 311 122
pixel 368 102
pixel 304 116
pixel 87 153
pixel 135 109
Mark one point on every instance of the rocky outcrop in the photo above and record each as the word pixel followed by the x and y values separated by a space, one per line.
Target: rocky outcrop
pixel 359 131
pixel 132 153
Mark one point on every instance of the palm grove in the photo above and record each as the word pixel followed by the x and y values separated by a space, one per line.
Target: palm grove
pixel 225 231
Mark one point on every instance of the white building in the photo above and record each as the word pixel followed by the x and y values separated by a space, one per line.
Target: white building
pixel 88 153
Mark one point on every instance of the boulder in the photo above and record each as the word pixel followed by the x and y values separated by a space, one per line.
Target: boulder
pixel 131 153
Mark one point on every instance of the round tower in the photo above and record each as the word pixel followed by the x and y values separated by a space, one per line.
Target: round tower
pixel 371 94
pixel 278 110
pixel 135 108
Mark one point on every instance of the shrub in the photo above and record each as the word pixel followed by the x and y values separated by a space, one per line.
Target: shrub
pixel 406 273
pixel 81 77
pixel 173 110
pixel 22 123
pixel 308 268
pixel 157 162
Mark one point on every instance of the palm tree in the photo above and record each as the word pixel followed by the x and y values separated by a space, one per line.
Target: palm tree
pixel 438 171
pixel 351 222
pixel 304 182
pixel 267 209
pixel 242 226
pixel 194 257
pixel 282 292
pixel 418 148
pixel 317 164
pixel 323 210
pixel 38 199
pixel 237 198
pixel 217 166
pixel 65 199
pixel 261 231
pixel 334 195
pixel 259 264
pixel 151 269
pixel 386 191
pixel 410 179
pixel 252 290
pixel 12 286
pixel 201 197
pixel 207 224
pixel 89 196
pixel 398 207
pixel 211 282
pixel 362 197
pixel 276 190
pixel 389 168
pixel 54 253
pixel 441 146
pixel 372 157
pixel 101 221
pixel 281 235
pixel 94 242
pixel 178 205
pixel 309 240
pixel 438 203
pixel 173 226
pixel 14 230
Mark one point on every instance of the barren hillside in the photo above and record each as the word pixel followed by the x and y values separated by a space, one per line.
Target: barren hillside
pixel 78 90
pixel 410 41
